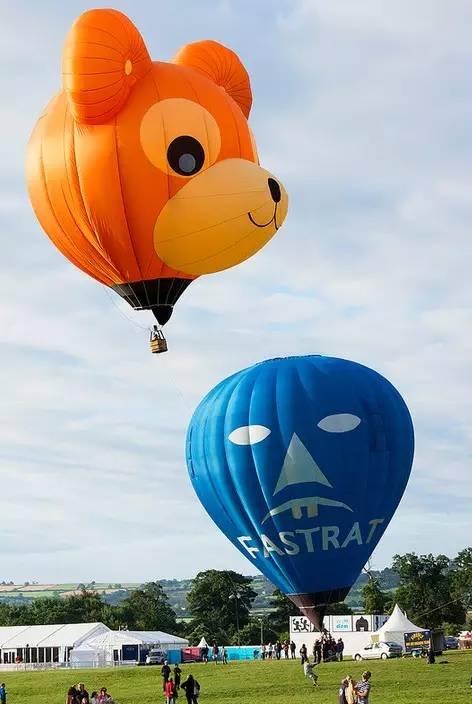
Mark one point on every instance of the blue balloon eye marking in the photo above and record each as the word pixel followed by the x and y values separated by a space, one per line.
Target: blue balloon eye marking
pixel 339 423
pixel 249 434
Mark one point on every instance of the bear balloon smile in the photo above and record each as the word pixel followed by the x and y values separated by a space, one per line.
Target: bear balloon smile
pixel 302 462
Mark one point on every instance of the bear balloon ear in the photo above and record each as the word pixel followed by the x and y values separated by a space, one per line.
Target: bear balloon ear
pixel 222 66
pixel 104 55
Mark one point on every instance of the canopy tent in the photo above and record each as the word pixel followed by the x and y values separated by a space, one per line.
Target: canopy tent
pixel 124 646
pixel 45 644
pixel 394 628
pixel 203 643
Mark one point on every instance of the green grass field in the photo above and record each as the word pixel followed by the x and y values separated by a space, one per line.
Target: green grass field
pixel 404 681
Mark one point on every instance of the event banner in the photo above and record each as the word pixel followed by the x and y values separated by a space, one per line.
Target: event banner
pixel 341 623
pixel 417 639
pixel 378 621
pixel 362 622
pixel 300 624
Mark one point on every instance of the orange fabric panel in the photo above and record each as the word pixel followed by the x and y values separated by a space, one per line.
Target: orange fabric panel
pixel 220 65
pixel 100 185
pixel 40 200
pixel 104 55
pixel 144 189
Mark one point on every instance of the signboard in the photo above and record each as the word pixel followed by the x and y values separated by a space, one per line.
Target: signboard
pixel 300 624
pixel 362 622
pixel 417 639
pixel 378 621
pixel 341 623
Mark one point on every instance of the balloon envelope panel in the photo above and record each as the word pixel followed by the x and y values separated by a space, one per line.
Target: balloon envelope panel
pixel 302 462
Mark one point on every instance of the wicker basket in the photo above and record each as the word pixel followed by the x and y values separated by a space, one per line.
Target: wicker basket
pixel 157 342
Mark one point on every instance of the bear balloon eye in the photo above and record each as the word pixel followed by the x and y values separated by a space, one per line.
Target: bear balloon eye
pixel 339 423
pixel 185 155
pixel 249 434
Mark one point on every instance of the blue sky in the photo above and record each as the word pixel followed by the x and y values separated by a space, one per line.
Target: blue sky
pixel 363 110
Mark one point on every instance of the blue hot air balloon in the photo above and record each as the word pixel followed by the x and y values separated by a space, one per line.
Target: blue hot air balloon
pixel 302 462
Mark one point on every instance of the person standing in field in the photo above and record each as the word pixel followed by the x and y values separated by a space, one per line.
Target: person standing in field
pixel 304 653
pixel 165 672
pixel 224 655
pixel 192 690
pixel 342 691
pixel 71 697
pixel 293 647
pixel 363 688
pixel 3 694
pixel 177 674
pixel 170 691
pixel 216 652
pixel 350 691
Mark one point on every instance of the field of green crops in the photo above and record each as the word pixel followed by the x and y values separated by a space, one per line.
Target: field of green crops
pixel 403 681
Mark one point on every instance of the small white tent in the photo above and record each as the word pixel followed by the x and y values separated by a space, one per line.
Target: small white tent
pixel 203 643
pixel 392 631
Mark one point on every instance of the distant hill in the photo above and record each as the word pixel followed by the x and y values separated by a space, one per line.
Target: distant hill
pixel 176 590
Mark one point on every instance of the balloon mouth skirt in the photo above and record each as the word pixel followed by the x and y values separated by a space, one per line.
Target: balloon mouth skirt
pixel 313 605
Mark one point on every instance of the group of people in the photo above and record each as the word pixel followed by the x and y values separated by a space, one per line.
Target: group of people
pixel 268 652
pixel 325 649
pixel 351 692
pixel 215 653
pixel 171 685
pixel 79 695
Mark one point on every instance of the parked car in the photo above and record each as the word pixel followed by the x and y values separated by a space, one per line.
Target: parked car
pixel 156 657
pixel 451 643
pixel 379 651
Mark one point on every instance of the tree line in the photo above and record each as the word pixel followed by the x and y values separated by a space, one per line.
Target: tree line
pixel 435 591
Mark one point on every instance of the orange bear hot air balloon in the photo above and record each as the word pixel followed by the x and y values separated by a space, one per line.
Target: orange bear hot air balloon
pixel 145 174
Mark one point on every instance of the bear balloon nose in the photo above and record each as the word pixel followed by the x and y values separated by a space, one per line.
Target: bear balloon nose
pixel 274 189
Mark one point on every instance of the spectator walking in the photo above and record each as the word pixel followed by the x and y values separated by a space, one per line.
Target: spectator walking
pixel 340 649
pixel 308 672
pixel 205 653
pixel 292 650
pixel 192 689
pixel 71 696
pixel 350 691
pixel 82 694
pixel 317 651
pixel 170 691
pixel 165 672
pixel 216 652
pixel 177 675
pixel 3 694
pixel 363 688
pixel 342 691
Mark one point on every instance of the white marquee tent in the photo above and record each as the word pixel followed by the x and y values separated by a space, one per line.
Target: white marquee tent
pixel 392 631
pixel 122 646
pixel 44 644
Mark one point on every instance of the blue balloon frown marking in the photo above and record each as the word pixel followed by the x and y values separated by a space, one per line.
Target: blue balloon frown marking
pixel 302 462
